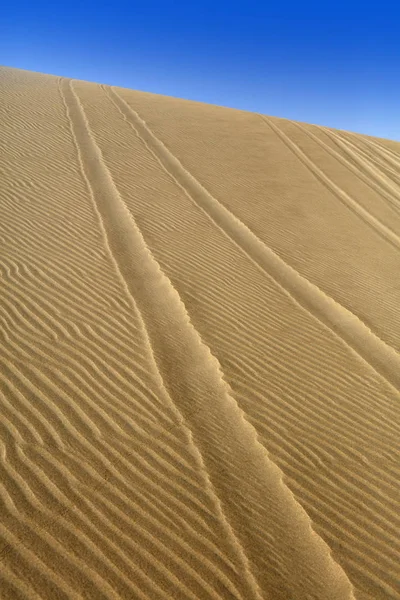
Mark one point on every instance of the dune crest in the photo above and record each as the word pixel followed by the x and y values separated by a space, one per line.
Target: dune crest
pixel 195 401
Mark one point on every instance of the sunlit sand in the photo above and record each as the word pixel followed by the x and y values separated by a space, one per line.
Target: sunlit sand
pixel 199 351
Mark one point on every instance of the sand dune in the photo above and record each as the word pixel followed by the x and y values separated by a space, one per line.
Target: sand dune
pixel 200 351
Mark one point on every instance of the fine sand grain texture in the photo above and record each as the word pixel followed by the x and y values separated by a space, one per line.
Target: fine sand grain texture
pixel 199 351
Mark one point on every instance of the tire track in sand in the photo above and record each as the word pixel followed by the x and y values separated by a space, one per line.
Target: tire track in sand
pixel 134 507
pixel 389 156
pixel 119 232
pixel 357 336
pixel 228 443
pixel 364 174
pixel 366 164
pixel 384 232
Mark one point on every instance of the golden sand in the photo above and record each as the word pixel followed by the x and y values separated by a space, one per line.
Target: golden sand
pixel 199 351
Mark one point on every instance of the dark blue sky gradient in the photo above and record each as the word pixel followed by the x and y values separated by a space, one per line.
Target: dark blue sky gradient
pixel 330 63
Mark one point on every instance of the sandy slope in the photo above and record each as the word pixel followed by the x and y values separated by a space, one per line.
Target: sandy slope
pixel 200 337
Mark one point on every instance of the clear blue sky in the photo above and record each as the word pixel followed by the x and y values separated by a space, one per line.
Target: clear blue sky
pixel 333 63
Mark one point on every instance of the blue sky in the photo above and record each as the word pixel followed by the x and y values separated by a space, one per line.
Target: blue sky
pixel 332 63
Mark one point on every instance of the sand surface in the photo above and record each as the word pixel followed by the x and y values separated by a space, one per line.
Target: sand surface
pixel 199 351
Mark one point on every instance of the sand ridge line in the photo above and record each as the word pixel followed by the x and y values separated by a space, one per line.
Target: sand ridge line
pixel 113 213
pixel 356 153
pixel 339 320
pixel 373 182
pixel 56 393
pixel 154 437
pixel 129 120
pixel 382 230
pixel 60 588
pixel 53 278
pixel 389 155
pixel 125 213
pixel 78 360
pixel 37 512
pixel 15 588
pixel 101 484
pixel 184 276
pixel 332 431
pixel 374 154
pixel 200 380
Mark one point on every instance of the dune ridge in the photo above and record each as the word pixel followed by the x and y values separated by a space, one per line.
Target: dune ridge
pixel 372 177
pixel 122 238
pixel 361 564
pixel 156 297
pixel 90 481
pixel 241 162
pixel 187 410
pixel 386 232
pixel 361 338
